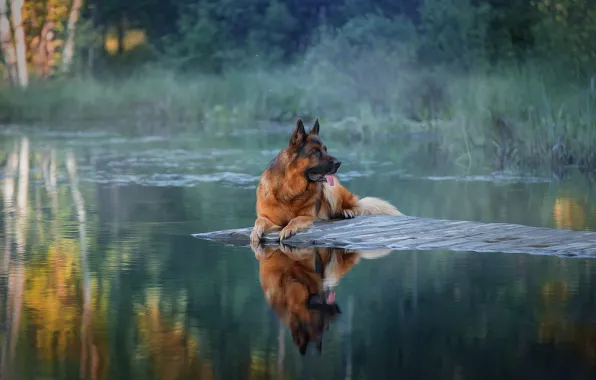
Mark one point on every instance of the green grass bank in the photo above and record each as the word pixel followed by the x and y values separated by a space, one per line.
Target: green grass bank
pixel 508 119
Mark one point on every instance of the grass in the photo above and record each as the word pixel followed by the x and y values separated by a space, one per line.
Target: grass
pixel 509 119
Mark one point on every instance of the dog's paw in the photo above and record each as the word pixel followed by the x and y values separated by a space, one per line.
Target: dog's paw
pixel 256 235
pixel 287 249
pixel 297 253
pixel 348 214
pixel 287 233
pixel 258 249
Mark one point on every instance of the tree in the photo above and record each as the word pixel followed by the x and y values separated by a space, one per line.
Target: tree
pixel 20 43
pixel 455 31
pixel 68 51
pixel 567 28
pixel 6 45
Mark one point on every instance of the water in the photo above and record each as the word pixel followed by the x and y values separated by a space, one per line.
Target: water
pixel 101 279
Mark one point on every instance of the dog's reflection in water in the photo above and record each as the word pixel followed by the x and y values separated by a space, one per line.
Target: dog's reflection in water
pixel 298 285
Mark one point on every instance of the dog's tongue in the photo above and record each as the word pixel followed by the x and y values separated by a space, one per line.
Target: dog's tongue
pixel 330 179
pixel 331 297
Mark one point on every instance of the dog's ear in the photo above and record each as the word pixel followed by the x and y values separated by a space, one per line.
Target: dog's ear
pixel 300 337
pixel 315 128
pixel 302 349
pixel 320 346
pixel 299 135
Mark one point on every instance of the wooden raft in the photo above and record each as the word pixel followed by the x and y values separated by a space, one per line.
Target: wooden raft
pixel 414 233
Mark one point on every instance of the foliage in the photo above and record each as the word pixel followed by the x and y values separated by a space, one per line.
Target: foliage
pixel 455 31
pixel 214 36
pixel 511 84
pixel 568 28
pixel 206 32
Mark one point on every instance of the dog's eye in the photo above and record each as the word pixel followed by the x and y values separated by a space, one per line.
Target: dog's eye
pixel 317 152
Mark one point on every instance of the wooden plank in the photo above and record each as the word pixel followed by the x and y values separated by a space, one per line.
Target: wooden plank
pixel 413 233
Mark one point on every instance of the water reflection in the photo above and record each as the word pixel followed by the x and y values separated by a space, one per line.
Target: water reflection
pixel 14 255
pixel 104 282
pixel 50 287
pixel 169 347
pixel 298 284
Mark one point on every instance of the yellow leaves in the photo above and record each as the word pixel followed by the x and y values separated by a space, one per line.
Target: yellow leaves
pixel 39 12
pixel 44 28
pixel 133 38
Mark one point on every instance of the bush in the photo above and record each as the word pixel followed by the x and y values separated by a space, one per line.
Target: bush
pixel 364 77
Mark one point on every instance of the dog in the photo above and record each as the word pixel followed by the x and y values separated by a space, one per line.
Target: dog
pixel 297 284
pixel 299 187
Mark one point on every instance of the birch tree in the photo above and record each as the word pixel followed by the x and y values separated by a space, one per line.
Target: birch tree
pixel 20 43
pixel 68 52
pixel 6 46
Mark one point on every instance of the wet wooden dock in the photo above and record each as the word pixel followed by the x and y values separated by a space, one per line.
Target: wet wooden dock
pixel 414 233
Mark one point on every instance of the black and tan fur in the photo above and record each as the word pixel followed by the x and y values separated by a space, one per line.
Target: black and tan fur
pixel 293 190
pixel 297 293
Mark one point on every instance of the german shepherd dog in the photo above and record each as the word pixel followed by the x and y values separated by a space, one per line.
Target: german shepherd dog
pixel 299 187
pixel 297 284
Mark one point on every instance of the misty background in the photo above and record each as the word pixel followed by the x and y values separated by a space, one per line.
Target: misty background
pixel 127 126
pixel 499 84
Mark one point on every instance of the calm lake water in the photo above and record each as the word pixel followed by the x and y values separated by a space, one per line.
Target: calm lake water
pixel 101 279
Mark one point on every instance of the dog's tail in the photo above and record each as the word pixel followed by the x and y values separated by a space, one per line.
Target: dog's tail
pixel 371 254
pixel 375 206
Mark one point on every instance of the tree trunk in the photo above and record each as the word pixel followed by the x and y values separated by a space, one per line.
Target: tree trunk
pixel 97 38
pixel 68 52
pixel 19 40
pixel 6 45
pixel 120 31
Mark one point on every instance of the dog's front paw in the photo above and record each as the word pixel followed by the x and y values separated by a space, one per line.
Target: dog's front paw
pixel 256 234
pixel 298 224
pixel 286 249
pixel 348 214
pixel 258 249
pixel 296 252
pixel 287 233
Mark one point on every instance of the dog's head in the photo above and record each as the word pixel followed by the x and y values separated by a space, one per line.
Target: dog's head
pixel 322 311
pixel 311 154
